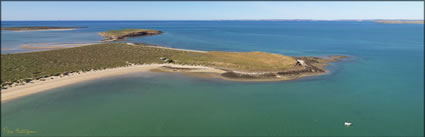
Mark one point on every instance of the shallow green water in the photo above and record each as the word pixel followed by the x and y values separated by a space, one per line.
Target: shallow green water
pixel 379 89
pixel 172 104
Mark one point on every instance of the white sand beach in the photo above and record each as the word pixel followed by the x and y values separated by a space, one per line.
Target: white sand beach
pixel 38 86
pixel 53 45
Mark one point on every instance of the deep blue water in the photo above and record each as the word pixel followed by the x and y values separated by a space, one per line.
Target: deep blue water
pixel 380 88
pixel 286 37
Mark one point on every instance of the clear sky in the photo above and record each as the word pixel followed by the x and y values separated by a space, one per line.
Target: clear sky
pixel 188 10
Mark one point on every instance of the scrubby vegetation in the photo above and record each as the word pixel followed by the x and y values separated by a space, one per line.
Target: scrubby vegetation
pixel 36 65
pixel 125 33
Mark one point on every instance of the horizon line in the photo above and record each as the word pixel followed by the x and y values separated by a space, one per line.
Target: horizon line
pixel 239 20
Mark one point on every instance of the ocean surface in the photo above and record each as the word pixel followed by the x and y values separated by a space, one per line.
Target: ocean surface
pixel 379 89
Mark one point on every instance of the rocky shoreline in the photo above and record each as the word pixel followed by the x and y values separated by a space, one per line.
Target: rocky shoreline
pixel 313 66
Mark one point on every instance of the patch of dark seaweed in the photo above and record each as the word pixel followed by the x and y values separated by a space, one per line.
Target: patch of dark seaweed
pixel 178 68
pixel 234 75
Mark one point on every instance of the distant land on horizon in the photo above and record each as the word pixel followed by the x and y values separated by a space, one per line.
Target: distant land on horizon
pixel 246 20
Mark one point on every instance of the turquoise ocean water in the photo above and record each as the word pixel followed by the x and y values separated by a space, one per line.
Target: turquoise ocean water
pixel 379 89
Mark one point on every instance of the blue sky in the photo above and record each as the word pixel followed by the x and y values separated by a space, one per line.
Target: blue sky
pixel 189 10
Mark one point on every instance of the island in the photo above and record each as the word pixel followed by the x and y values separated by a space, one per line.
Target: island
pixel 123 34
pixel 29 73
pixel 38 28
pixel 21 68
pixel 401 21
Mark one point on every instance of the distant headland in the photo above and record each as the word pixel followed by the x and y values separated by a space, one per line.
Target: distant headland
pixel 115 35
pixel 401 21
pixel 38 28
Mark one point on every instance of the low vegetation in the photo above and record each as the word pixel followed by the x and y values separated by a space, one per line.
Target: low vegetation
pixel 126 33
pixel 36 65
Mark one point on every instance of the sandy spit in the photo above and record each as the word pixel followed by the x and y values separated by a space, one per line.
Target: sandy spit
pixel 53 46
pixel 162 47
pixel 38 86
